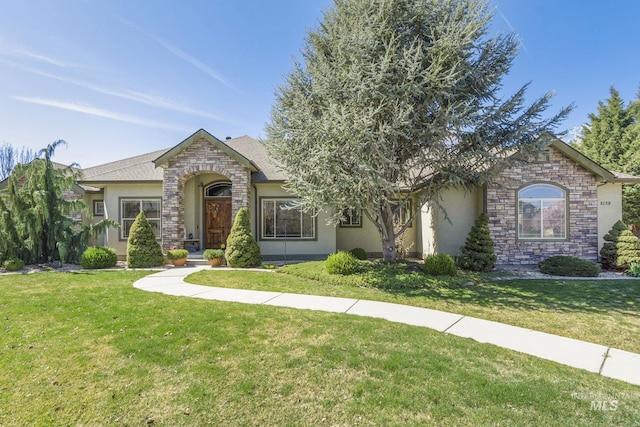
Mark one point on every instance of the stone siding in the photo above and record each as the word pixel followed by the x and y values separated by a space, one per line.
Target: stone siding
pixel 201 157
pixel 582 232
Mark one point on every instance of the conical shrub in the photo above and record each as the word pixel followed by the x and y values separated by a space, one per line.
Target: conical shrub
pixel 143 250
pixel 609 251
pixel 478 253
pixel 628 249
pixel 242 249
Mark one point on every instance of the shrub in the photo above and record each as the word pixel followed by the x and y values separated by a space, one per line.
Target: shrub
pixel 628 249
pixel 440 265
pixel 213 253
pixel 634 270
pixel 242 248
pixel 177 254
pixel 478 253
pixel 98 257
pixel 343 263
pixel 359 253
pixel 13 264
pixel 561 265
pixel 609 251
pixel 143 250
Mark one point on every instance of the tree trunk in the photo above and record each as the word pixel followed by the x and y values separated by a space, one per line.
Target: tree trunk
pixel 388 238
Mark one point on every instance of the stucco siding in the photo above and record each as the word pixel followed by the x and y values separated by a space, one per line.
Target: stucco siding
pixel 113 193
pixel 609 208
pixel 445 230
pixel 321 246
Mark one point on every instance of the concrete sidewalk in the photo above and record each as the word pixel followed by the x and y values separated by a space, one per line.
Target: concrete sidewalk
pixel 609 362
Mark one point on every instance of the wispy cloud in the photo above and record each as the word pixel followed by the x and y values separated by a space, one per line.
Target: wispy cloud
pixel 19 51
pixel 504 18
pixel 181 54
pixel 143 98
pixel 86 109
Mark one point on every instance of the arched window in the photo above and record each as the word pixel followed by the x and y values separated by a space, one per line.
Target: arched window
pixel 219 190
pixel 542 212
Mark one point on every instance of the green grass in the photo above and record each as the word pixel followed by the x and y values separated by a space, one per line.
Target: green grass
pixel 89 349
pixel 606 312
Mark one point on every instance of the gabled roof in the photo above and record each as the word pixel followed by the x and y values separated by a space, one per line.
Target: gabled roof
pixel 138 169
pixel 163 160
pixel 584 161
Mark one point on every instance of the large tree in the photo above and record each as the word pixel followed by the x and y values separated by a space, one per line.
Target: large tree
pixel 612 138
pixel 397 99
pixel 36 219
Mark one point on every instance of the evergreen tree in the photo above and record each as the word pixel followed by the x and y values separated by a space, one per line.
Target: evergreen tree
pixel 604 138
pixel 143 250
pixel 36 223
pixel 242 249
pixel 609 251
pixel 399 96
pixel 612 139
pixel 10 157
pixel 478 253
pixel 628 249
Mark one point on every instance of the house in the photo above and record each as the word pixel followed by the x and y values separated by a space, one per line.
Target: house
pixel 559 203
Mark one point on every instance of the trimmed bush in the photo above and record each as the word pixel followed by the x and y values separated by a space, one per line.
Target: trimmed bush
pixel 634 270
pixel 213 253
pixel 628 249
pixel 143 250
pixel 98 257
pixel 242 249
pixel 561 265
pixel 13 264
pixel 609 251
pixel 440 265
pixel 177 254
pixel 477 252
pixel 359 253
pixel 343 263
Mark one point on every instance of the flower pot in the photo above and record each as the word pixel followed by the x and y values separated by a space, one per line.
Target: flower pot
pixel 179 262
pixel 214 262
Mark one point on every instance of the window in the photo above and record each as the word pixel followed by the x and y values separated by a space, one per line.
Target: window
pixel 98 207
pixel 218 190
pixel 284 218
pixel 403 214
pixel 351 218
pixel 129 209
pixel 542 212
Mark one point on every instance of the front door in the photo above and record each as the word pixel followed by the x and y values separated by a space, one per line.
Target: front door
pixel 218 222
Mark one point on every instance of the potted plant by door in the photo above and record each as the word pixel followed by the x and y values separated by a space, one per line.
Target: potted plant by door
pixel 214 256
pixel 178 257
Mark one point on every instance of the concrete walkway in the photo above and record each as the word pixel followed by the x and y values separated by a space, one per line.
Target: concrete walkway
pixel 606 361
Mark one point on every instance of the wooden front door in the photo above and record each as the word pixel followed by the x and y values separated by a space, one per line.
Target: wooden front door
pixel 218 222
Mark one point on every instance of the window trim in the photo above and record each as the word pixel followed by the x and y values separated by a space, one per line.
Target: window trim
pixel 140 200
pixel 567 233
pixel 349 216
pixel 276 199
pixel 98 207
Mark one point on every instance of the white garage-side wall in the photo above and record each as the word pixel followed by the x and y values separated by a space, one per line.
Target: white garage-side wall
pixel 113 193
pixel 445 232
pixel 609 208
pixel 271 249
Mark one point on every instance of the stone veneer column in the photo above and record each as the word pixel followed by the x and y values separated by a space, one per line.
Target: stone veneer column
pixel 201 157
pixel 582 233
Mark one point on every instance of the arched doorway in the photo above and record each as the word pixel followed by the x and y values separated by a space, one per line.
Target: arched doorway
pixel 217 214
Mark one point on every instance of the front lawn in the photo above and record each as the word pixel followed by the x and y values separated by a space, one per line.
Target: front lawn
pixel 605 312
pixel 89 349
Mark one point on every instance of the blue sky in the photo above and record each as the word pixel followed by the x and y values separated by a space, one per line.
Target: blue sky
pixel 118 78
